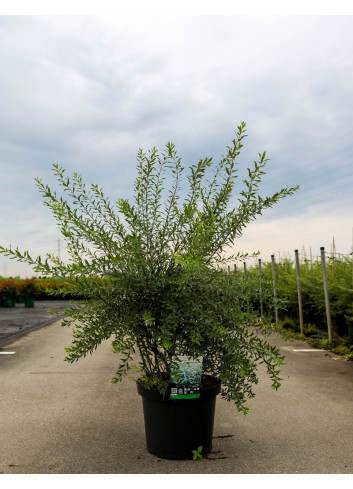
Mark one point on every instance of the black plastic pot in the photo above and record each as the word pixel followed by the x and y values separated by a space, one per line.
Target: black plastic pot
pixel 175 427
pixel 349 323
pixel 29 302
pixel 9 302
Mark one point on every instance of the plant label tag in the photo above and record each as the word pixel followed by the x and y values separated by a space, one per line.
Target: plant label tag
pixel 186 378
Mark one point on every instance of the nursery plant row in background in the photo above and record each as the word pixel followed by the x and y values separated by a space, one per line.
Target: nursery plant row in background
pixel 274 291
pixel 260 294
pixel 260 286
pixel 340 288
pixel 35 288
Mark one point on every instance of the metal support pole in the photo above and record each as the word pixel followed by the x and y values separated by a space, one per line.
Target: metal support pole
pixel 300 302
pixel 260 289
pixel 274 287
pixel 327 299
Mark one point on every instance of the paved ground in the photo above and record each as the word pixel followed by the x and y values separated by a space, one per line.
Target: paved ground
pixel 15 321
pixel 64 419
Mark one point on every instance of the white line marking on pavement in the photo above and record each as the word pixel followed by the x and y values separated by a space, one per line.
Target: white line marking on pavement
pixel 7 352
pixel 308 349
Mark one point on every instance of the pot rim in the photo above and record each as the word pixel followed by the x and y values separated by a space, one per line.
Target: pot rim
pixel 205 392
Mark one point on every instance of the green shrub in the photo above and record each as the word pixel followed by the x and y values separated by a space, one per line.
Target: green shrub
pixel 8 289
pixel 28 289
pixel 149 270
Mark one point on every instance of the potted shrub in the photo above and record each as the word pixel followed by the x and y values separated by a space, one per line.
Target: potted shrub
pixel 8 293
pixel 150 277
pixel 29 291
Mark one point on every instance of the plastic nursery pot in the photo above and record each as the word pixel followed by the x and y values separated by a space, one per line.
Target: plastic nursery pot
pixel 176 427
pixel 29 302
pixel 349 324
pixel 8 302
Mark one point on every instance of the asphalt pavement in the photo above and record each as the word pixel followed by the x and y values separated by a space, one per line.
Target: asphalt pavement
pixel 61 418
pixel 19 320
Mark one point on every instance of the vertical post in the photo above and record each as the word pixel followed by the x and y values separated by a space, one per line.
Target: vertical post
pixel 235 268
pixel 260 289
pixel 247 295
pixel 274 287
pixel 228 268
pixel 327 299
pixel 300 302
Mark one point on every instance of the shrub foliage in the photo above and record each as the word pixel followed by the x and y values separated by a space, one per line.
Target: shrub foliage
pixel 150 270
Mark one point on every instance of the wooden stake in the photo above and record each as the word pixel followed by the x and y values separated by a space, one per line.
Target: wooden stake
pixel 300 302
pixel 327 299
pixel 274 287
pixel 260 289
pixel 245 276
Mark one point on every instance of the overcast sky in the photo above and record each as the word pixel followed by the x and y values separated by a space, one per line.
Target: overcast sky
pixel 87 92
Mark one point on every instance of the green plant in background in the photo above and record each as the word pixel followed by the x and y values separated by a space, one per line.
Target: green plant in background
pixel 8 293
pixel 340 278
pixel 44 288
pixel 29 289
pixel 197 454
pixel 340 284
pixel 8 289
pixel 149 270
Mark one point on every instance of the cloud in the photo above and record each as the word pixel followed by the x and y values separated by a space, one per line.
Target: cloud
pixel 87 92
pixel 283 235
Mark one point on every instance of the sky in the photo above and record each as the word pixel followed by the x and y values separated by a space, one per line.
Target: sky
pixel 88 91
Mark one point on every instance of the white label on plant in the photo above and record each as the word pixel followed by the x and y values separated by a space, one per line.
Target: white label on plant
pixel 186 377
